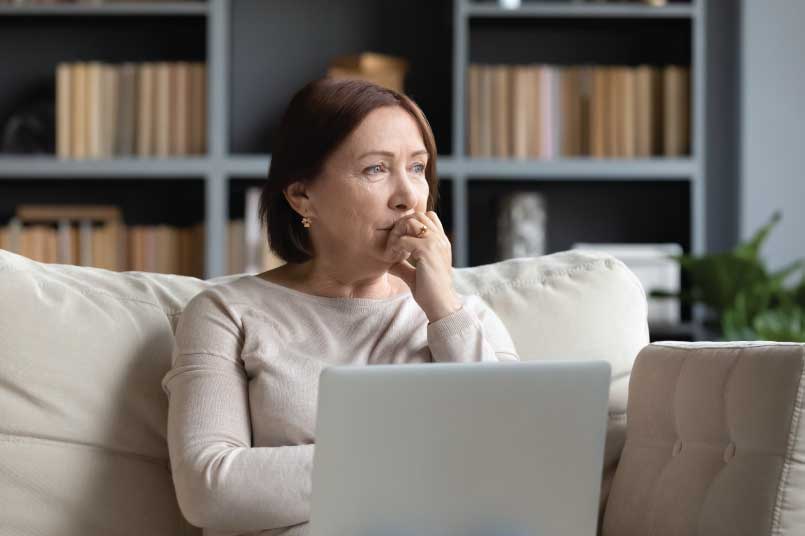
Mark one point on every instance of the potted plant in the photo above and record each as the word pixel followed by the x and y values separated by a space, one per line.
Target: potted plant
pixel 749 301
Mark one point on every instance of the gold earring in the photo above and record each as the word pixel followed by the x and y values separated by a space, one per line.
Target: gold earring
pixel 306 221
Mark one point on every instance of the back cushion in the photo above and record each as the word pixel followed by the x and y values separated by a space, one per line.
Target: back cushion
pixel 571 305
pixel 83 425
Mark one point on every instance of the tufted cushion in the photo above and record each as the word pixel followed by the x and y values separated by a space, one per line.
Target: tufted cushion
pixel 715 444
pixel 571 305
pixel 83 350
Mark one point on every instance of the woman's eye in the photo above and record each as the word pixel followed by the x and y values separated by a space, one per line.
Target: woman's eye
pixel 420 168
pixel 371 169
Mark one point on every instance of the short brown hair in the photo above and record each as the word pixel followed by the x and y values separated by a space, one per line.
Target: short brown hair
pixel 318 119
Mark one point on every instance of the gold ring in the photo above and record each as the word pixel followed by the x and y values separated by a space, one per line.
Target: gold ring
pixel 422 231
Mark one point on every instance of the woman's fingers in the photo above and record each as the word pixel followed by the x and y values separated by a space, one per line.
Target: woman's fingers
pixel 435 219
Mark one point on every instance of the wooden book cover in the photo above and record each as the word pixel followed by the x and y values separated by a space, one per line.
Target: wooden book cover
pixel 501 113
pixel 195 103
pixel 236 239
pixel 109 111
pixel 181 251
pixel 629 114
pixel 178 91
pixel 473 83
pixel 29 243
pixel 64 106
pixel 529 107
pixel 160 250
pixel 485 110
pixel 146 96
pixel 95 240
pixel 644 111
pixel 613 114
pixel 598 104
pixel 545 104
pixel 150 246
pixel 78 134
pixel 507 107
pixel 175 260
pixel 519 80
pixel 184 96
pixel 14 237
pixel 585 93
pixel 556 126
pixel 200 84
pixel 63 238
pixel 75 244
pixel 570 112
pixel 537 118
pixel 94 104
pixel 127 110
pixel 85 242
pixel 132 244
pixel 675 111
pixel 199 249
pixel 51 213
pixel 163 109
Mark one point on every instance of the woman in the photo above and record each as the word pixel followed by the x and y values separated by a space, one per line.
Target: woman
pixel 348 204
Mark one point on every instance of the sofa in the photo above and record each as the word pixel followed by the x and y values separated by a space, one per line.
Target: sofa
pixel 703 438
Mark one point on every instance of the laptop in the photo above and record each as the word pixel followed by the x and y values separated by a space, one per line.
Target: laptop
pixel 460 449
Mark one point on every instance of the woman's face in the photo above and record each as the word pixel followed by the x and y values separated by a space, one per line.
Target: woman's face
pixel 374 178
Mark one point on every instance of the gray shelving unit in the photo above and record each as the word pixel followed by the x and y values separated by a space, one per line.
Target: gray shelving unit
pixel 257 55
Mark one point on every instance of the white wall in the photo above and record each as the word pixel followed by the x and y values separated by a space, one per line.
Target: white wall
pixel 773 124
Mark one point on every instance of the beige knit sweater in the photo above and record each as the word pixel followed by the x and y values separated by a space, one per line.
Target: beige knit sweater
pixel 243 387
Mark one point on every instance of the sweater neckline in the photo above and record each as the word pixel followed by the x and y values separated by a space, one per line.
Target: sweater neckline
pixel 338 301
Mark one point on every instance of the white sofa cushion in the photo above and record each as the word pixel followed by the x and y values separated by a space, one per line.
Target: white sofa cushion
pixel 82 352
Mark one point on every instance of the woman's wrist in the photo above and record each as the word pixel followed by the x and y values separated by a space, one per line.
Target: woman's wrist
pixel 443 312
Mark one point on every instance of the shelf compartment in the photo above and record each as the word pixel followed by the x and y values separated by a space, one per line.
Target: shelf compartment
pixel 177 203
pixel 277 48
pixel 30 73
pixel 585 211
pixel 576 41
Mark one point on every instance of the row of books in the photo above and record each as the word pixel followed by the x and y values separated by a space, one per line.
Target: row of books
pixel 110 245
pixel 248 249
pixel 95 235
pixel 130 109
pixel 550 111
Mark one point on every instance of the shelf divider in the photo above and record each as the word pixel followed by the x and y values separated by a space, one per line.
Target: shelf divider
pixel 117 9
pixel 580 10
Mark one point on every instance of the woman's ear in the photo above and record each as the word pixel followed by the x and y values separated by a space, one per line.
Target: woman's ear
pixel 296 195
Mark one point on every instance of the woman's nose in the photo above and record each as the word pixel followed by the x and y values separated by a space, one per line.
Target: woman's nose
pixel 404 196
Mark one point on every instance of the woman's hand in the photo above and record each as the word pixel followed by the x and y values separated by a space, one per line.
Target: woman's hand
pixel 431 279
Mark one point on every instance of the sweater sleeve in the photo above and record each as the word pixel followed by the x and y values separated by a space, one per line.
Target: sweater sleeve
pixel 474 333
pixel 222 482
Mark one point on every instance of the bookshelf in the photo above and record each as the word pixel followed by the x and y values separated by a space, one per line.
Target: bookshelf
pixel 258 53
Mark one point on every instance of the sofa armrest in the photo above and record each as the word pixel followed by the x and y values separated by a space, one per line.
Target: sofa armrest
pixel 715 442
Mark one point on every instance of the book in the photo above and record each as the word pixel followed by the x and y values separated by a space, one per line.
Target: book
pixel 63 110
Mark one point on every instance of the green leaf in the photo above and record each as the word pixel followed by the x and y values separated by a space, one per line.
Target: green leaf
pixel 751 249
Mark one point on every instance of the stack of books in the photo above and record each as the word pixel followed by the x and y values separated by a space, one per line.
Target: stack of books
pixel 247 239
pixel 152 109
pixel 549 111
pixel 95 235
